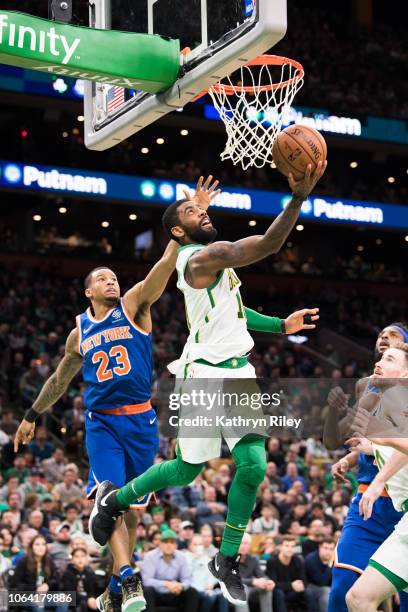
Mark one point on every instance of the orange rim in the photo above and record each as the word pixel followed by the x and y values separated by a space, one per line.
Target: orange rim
pixel 261 60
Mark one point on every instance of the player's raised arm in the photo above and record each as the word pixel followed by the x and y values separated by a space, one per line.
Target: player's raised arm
pixel 53 389
pixel 219 255
pixel 149 290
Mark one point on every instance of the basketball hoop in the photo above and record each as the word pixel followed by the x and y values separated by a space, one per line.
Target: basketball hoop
pixel 253 107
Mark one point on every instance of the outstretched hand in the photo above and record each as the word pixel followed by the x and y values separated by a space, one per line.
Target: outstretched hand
pixel 204 193
pixel 296 321
pixel 24 434
pixel 302 188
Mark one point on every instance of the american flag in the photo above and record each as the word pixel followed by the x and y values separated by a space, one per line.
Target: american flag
pixel 115 98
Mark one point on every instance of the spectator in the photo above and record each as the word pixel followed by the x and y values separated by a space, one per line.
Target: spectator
pixel 67 491
pixel 72 519
pixel 80 579
pixel 9 548
pixel 315 534
pixel 159 518
pixel 36 521
pixel 257 586
pixel 167 578
pixel 201 578
pixel 288 573
pixel 292 475
pixel 53 468
pixel 23 539
pixel 19 469
pixel 33 484
pixel 14 502
pixel 268 521
pixel 40 446
pixel 30 384
pixel 275 481
pixel 319 573
pixel 5 562
pixel 186 534
pixel 207 541
pixel 209 510
pixel 8 423
pixel 36 571
pixel 60 548
pixel 11 486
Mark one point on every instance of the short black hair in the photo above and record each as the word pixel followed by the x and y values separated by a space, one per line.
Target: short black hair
pixel 171 218
pixel 88 277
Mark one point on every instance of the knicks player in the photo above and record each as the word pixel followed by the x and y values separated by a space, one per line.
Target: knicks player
pixel 112 343
pixel 216 348
pixel 360 538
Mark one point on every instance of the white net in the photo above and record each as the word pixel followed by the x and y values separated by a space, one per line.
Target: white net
pixel 251 103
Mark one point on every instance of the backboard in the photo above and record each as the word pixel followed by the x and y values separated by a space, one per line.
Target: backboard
pixel 220 35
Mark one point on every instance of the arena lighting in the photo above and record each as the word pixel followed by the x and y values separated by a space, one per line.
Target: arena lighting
pixel 160 141
pixel 105 223
pixel 144 150
pixel 80 118
pixel 132 217
pixel 406 238
pixel 184 132
pixel 353 164
pixel 24 133
pixel 36 217
pixel 148 189
pixel 60 86
pixel 252 223
pixel 65 134
pixel 391 179
pixel 378 241
pixel 360 248
pixel 62 210
pixel 300 228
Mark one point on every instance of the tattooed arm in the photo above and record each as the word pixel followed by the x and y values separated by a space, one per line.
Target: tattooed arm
pixel 204 265
pixel 53 389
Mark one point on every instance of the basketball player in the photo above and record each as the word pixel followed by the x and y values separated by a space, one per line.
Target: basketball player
pixel 360 538
pixel 112 343
pixel 387 569
pixel 216 348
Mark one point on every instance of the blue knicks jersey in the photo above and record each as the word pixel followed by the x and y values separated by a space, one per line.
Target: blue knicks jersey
pixel 367 471
pixel 117 360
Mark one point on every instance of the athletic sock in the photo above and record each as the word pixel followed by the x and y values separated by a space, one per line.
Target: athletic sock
pixel 115 584
pixel 249 457
pixel 125 571
pixel 174 473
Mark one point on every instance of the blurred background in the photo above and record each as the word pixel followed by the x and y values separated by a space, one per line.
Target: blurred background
pixel 53 230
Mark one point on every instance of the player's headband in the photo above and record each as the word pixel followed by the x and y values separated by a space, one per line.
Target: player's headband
pixel 401 330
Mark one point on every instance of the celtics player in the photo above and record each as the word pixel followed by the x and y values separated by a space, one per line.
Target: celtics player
pixel 387 570
pixel 216 349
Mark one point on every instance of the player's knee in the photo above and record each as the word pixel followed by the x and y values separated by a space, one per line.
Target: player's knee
pixel 356 599
pixel 187 472
pixel 252 473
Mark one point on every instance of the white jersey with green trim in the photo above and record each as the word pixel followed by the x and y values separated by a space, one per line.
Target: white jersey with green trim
pixel 397 485
pixel 215 316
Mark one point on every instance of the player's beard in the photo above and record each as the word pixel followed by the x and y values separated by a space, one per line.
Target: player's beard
pixel 202 236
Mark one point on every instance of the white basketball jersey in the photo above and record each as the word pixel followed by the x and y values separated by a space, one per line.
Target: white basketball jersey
pixel 215 316
pixel 397 485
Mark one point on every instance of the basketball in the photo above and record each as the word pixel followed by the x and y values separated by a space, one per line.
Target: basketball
pixel 297 146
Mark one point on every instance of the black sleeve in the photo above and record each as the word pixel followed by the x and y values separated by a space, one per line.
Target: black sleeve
pixel 91 583
pixel 272 572
pixel 300 569
pixel 68 581
pixel 54 579
pixel 22 580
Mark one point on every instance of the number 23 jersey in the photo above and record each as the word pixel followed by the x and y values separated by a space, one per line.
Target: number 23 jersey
pixel 117 360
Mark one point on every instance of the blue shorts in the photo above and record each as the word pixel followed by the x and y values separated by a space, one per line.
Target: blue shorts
pixel 359 538
pixel 120 447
